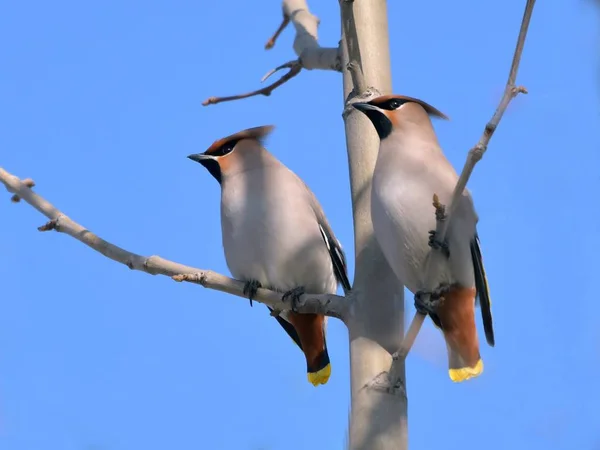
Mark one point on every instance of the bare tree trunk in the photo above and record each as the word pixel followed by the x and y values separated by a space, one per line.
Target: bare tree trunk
pixel 378 420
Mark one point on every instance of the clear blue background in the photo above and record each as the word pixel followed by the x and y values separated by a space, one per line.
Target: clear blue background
pixel 101 103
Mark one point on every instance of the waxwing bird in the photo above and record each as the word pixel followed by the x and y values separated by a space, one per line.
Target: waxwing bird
pixel 410 169
pixel 275 235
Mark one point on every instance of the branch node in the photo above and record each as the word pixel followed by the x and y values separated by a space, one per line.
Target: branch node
pixel 27 182
pixel 198 278
pixel 519 90
pixel 51 225
pixel 383 383
pixel 490 128
pixel 369 93
pixel 210 101
pixel 440 209
pixel 477 152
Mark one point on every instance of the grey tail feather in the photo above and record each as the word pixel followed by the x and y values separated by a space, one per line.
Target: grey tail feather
pixel 338 259
pixel 483 292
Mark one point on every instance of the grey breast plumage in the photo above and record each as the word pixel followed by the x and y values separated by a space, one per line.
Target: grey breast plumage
pixel 272 233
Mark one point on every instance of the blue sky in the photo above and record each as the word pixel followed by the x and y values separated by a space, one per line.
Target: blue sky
pixel 101 103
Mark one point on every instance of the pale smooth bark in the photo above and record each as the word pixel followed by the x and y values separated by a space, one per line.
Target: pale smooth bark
pixel 306 42
pixel 378 417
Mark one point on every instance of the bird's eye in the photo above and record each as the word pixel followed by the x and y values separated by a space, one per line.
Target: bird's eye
pixel 394 104
pixel 225 148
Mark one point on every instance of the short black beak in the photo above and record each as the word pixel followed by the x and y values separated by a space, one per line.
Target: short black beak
pixel 210 163
pixel 199 157
pixel 380 121
pixel 364 107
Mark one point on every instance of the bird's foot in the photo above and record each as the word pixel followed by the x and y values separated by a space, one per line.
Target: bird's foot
pixel 294 295
pixel 250 288
pixel 438 245
pixel 422 305
pixel 435 298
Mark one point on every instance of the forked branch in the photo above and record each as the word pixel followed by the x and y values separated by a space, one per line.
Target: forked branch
pixel 475 155
pixel 294 69
pixel 306 46
pixel 330 305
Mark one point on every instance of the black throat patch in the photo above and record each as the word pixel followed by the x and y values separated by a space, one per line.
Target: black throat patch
pixel 382 124
pixel 213 168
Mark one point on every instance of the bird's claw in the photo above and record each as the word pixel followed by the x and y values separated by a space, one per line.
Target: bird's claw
pixel 294 295
pixel 250 288
pixel 429 306
pixel 423 306
pixel 438 245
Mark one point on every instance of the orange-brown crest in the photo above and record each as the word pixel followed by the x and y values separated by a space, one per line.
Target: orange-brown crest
pixel 258 133
pixel 379 101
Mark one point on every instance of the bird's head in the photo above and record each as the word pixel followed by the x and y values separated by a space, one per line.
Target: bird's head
pixel 229 153
pixel 388 112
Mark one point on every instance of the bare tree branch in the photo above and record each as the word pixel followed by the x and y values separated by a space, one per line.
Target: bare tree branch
pixel 306 46
pixel 444 213
pixel 284 23
pixel 287 65
pixel 358 79
pixel 306 41
pixel 27 182
pixel 329 304
pixel 295 68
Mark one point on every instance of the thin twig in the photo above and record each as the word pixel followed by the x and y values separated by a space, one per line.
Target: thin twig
pixel 328 304
pixel 358 79
pixel 287 65
pixel 351 39
pixel 284 23
pixel 475 155
pixel 295 68
pixel 51 225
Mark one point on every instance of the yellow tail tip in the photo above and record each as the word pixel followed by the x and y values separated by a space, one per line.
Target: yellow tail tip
pixel 465 373
pixel 320 377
